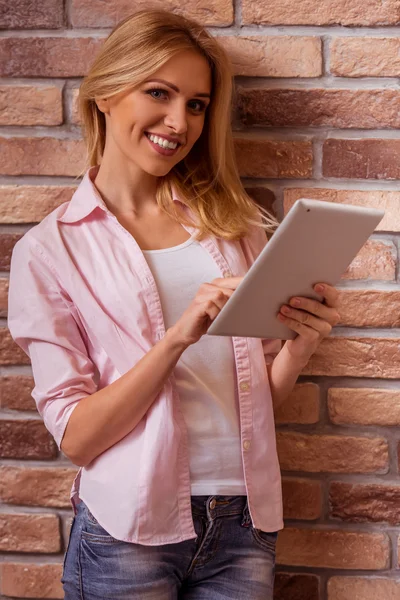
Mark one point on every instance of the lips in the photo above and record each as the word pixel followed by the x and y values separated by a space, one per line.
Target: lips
pixel 161 144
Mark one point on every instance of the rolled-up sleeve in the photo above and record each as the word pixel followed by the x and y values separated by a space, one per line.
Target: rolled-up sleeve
pixel 41 323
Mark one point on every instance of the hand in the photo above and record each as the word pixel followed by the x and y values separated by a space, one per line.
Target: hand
pixel 208 302
pixel 311 320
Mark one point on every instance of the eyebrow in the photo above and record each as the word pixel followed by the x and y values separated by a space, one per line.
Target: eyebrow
pixel 176 89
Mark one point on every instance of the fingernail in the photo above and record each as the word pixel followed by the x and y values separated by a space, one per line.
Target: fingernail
pixel 319 288
pixel 296 302
pixel 285 309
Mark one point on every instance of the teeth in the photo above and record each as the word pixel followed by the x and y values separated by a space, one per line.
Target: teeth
pixel 163 143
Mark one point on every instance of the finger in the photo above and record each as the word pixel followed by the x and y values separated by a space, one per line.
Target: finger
pixel 306 332
pixel 320 325
pixel 227 282
pixel 316 308
pixel 330 294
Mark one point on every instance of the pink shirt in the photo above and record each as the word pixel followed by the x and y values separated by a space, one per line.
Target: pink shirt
pixel 84 306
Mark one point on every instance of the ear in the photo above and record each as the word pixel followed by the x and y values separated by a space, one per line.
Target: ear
pixel 103 104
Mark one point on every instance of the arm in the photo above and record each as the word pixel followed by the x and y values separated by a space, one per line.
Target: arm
pixel 312 321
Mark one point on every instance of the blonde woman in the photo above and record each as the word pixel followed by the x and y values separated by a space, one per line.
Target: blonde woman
pixel 179 492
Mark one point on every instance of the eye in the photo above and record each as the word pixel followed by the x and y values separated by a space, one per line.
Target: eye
pixel 197 106
pixel 157 93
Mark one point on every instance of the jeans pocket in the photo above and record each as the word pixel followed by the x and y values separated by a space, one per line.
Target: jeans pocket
pixel 92 531
pixel 265 540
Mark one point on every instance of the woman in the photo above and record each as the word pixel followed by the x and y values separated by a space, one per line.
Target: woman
pixel 179 490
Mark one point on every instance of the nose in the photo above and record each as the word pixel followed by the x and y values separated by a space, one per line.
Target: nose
pixel 176 118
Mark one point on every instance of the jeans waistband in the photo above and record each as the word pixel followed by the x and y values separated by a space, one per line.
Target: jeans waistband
pixel 218 506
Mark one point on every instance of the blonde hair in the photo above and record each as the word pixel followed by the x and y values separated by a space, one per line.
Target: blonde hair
pixel 206 180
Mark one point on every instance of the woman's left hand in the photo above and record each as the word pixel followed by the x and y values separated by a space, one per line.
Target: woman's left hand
pixel 311 320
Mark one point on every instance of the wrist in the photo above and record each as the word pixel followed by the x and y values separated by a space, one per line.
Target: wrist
pixel 173 341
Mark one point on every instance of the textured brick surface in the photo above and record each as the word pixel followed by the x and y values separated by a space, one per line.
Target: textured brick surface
pixel 356 357
pixel 41 156
pixel 266 158
pixel 363 588
pixel 364 109
pixel 3 296
pixel 15 392
pixel 30 105
pixel 30 204
pixel 331 453
pixel 364 406
pixel 379 308
pixel 333 549
pixel 47 57
pixel 362 159
pixel 294 586
pixel 365 57
pixel 7 243
pixel 29 533
pixel 36 487
pixel 10 353
pixel 302 406
pixel 96 13
pixel 383 200
pixel 302 499
pixel 26 439
pixel 361 503
pixel 376 260
pixel 26 14
pixel 28 580
pixel 320 12
pixel 274 56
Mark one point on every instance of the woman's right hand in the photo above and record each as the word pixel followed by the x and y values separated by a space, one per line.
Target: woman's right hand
pixel 206 305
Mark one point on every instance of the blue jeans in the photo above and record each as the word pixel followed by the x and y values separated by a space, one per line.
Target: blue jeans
pixel 229 559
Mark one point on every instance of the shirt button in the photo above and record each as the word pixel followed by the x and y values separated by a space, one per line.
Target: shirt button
pixel 228 274
pixel 246 444
pixel 213 504
pixel 244 386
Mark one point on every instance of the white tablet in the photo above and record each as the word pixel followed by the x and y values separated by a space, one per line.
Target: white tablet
pixel 315 242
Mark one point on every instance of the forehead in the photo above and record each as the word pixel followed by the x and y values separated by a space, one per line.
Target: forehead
pixel 189 71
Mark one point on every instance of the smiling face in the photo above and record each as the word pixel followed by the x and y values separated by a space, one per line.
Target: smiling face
pixel 154 126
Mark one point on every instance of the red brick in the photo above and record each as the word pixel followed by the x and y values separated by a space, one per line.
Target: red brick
pixel 41 156
pixel 362 503
pixel 29 533
pixel 363 588
pixel 31 203
pixel 356 357
pixel 376 260
pixel 302 406
pixel 380 308
pixel 27 580
pixel 3 296
pixel 294 586
pixel 332 453
pixel 362 159
pixel 10 353
pixel 365 57
pixel 302 499
pixel 26 14
pixel 47 56
pixel 277 159
pixel 333 549
pixel 30 105
pixel 274 56
pixel 384 200
pixel 364 109
pixel 317 12
pixel 96 13
pixel 26 439
pixel 364 406
pixel 36 487
pixel 75 119
pixel 15 392
pixel 7 243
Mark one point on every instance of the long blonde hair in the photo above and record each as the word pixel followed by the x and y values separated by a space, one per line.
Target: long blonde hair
pixel 206 180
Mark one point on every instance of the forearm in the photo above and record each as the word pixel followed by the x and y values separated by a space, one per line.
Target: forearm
pixel 283 373
pixel 101 420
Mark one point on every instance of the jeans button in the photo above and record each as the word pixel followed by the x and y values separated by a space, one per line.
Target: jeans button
pixel 213 504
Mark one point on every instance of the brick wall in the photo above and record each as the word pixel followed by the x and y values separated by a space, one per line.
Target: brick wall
pixel 317 115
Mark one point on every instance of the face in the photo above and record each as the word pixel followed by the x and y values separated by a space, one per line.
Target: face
pixel 154 126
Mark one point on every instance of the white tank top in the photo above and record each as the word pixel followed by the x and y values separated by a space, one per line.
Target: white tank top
pixel 205 375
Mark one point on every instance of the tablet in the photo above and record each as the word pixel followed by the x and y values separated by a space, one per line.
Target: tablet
pixel 315 242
